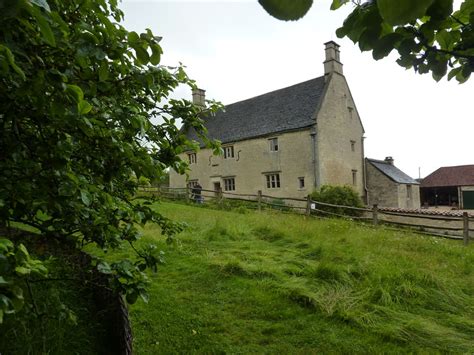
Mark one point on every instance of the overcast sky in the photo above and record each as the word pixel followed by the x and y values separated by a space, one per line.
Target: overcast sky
pixel 235 50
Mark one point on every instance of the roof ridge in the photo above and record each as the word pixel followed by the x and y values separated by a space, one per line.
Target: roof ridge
pixel 273 91
pixel 455 166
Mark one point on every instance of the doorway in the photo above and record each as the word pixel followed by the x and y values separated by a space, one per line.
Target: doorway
pixel 217 188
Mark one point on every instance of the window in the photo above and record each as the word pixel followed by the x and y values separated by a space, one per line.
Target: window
pixel 301 182
pixel 353 143
pixel 273 144
pixel 273 181
pixel 229 184
pixel 192 158
pixel 354 177
pixel 192 183
pixel 408 191
pixel 351 109
pixel 229 152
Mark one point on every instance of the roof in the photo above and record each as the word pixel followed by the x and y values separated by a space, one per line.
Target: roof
pixel 392 172
pixel 286 109
pixel 462 175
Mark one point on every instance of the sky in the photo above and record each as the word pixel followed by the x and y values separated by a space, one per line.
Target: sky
pixel 235 50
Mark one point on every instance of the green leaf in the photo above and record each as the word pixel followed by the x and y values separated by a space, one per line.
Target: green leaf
pixel 103 72
pixel 440 9
pixel 336 4
pixel 104 268
pixel 22 271
pixel 142 54
pixel 287 10
pixel 86 197
pixel 83 107
pixel 132 297
pixel 3 282
pixel 133 37
pixel 75 91
pixel 41 3
pixel 447 40
pixel 45 29
pixel 156 52
pixel 402 11
pixel 385 45
pixel 454 72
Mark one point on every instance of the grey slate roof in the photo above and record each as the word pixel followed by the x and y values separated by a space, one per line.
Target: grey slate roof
pixel 287 109
pixel 392 172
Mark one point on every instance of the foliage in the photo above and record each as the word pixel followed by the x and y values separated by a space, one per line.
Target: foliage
pixel 286 10
pixel 143 181
pixel 429 35
pixel 59 317
pixel 16 265
pixel 338 195
pixel 272 283
pixel 81 96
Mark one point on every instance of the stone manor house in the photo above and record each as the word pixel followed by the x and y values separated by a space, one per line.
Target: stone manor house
pixel 286 142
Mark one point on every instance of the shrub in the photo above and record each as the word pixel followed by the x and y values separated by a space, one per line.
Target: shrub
pixel 338 195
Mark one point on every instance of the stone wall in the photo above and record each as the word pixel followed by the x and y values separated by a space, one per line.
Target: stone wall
pixel 338 128
pixel 252 161
pixel 387 193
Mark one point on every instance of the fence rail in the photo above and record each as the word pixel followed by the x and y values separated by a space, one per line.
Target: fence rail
pixel 446 226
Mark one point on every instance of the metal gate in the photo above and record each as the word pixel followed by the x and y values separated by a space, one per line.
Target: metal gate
pixel 468 200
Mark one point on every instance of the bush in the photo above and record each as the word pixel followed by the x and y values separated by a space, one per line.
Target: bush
pixel 338 195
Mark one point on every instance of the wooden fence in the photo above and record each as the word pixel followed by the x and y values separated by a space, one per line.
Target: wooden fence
pixel 446 225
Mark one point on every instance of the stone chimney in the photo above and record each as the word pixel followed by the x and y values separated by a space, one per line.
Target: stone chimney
pixel 389 160
pixel 199 97
pixel 332 64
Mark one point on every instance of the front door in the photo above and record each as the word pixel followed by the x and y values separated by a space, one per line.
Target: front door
pixel 217 188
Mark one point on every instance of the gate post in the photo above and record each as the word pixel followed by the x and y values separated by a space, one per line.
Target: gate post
pixel 375 214
pixel 465 218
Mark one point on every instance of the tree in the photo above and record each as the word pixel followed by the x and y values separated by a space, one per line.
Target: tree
pixel 429 35
pixel 81 96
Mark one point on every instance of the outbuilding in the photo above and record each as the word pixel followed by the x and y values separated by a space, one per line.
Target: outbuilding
pixel 451 186
pixel 388 186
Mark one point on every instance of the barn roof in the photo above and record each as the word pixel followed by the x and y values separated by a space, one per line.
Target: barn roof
pixel 462 175
pixel 392 172
pixel 282 110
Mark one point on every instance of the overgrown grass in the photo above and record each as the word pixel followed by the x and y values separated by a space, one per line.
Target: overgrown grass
pixel 267 283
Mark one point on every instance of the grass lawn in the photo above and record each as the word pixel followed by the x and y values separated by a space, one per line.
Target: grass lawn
pixel 276 283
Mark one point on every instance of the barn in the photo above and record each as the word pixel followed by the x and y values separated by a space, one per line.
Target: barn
pixel 449 186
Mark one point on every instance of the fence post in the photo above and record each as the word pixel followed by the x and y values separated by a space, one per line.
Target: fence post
pixel 187 194
pixel 308 205
pixel 220 196
pixel 259 200
pixel 465 218
pixel 375 214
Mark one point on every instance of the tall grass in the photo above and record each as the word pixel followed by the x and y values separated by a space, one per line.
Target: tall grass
pixel 267 282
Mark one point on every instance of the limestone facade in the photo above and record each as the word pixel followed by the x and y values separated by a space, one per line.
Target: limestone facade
pixel 328 149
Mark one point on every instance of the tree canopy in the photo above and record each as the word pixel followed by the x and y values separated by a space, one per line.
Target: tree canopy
pixel 85 111
pixel 429 35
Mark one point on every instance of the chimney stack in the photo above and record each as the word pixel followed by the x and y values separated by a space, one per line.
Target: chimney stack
pixel 332 64
pixel 199 97
pixel 389 160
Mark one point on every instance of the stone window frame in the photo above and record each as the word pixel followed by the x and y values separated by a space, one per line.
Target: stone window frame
pixel 353 143
pixel 301 184
pixel 228 152
pixel 229 183
pixel 409 191
pixel 274 147
pixel 273 180
pixel 354 177
pixel 192 158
